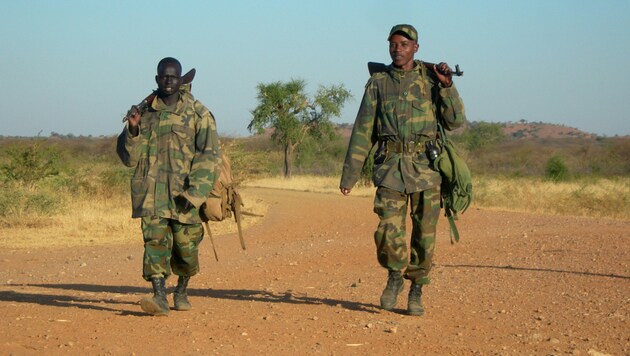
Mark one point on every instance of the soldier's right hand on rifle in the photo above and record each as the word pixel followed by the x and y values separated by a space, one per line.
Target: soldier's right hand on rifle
pixel 444 74
pixel 133 117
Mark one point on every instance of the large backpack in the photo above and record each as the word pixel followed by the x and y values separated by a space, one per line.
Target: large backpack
pixel 456 189
pixel 223 202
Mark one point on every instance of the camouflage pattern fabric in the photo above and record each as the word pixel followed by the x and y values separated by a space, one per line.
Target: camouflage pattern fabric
pixel 177 152
pixel 391 247
pixel 401 107
pixel 170 246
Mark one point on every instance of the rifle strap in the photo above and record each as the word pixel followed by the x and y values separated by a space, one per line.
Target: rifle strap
pixel 423 74
pixel 451 217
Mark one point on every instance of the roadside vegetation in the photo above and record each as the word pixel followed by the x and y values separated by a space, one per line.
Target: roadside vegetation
pixel 574 175
pixel 70 191
pixel 59 186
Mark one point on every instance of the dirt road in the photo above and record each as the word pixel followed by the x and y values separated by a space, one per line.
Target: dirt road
pixel 309 283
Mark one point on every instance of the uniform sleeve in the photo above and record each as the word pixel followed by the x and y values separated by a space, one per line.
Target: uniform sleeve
pixel 362 139
pixel 451 108
pixel 207 160
pixel 128 148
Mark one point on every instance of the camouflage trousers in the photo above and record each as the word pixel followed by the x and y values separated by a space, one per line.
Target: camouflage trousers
pixel 170 245
pixel 391 247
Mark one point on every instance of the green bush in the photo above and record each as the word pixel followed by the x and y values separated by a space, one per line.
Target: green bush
pixel 74 181
pixel 482 134
pixel 27 165
pixel 556 169
pixel 323 157
pixel 19 201
pixel 116 178
pixel 10 200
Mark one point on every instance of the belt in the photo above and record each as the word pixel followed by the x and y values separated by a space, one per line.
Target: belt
pixel 408 147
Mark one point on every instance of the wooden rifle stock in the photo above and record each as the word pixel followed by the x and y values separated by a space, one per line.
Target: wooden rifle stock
pixel 144 104
pixel 375 67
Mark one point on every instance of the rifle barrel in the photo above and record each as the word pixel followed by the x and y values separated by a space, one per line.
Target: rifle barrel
pixel 375 67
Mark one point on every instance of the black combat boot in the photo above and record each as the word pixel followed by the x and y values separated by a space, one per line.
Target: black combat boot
pixel 156 305
pixel 414 304
pixel 391 291
pixel 180 297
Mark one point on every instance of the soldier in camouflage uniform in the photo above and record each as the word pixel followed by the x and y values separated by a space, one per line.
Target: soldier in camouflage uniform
pixel 174 148
pixel 398 114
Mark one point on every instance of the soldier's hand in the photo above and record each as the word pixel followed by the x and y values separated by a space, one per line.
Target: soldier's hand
pixel 182 204
pixel 345 191
pixel 133 116
pixel 444 74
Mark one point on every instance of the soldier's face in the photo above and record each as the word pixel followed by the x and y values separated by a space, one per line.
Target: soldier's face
pixel 402 50
pixel 168 79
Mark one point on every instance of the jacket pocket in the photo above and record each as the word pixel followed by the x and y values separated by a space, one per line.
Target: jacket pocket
pixel 423 121
pixel 420 108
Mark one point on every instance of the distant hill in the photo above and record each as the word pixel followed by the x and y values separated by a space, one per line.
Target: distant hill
pixel 542 130
pixel 514 130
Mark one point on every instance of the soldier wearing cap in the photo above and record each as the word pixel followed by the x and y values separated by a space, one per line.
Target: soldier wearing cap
pixel 398 114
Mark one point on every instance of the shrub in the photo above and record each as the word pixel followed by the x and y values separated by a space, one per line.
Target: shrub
pixel 17 201
pixel 482 134
pixel 27 165
pixel 319 157
pixel 556 169
pixel 116 178
pixel 10 200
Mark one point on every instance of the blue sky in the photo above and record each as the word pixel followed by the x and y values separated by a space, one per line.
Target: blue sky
pixel 75 67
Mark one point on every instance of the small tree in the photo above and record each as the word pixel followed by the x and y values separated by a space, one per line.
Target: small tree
pixel 285 108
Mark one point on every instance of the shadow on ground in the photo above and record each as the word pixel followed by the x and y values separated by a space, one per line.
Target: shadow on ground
pixel 97 302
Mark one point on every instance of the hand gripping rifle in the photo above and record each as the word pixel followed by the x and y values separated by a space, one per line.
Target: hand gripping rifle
pixel 144 104
pixel 375 67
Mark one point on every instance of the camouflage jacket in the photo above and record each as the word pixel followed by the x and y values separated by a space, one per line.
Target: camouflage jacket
pixel 176 152
pixel 399 113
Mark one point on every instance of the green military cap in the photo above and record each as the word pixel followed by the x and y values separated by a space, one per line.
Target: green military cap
pixel 405 30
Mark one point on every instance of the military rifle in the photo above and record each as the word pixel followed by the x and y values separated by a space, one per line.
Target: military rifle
pixel 375 67
pixel 144 104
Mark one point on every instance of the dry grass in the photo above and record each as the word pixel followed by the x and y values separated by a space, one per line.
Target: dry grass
pixel 601 198
pixel 101 221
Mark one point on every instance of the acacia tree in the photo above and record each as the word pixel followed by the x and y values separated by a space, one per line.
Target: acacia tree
pixel 286 108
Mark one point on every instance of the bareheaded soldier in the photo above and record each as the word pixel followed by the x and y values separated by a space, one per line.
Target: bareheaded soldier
pixel 174 148
pixel 399 113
